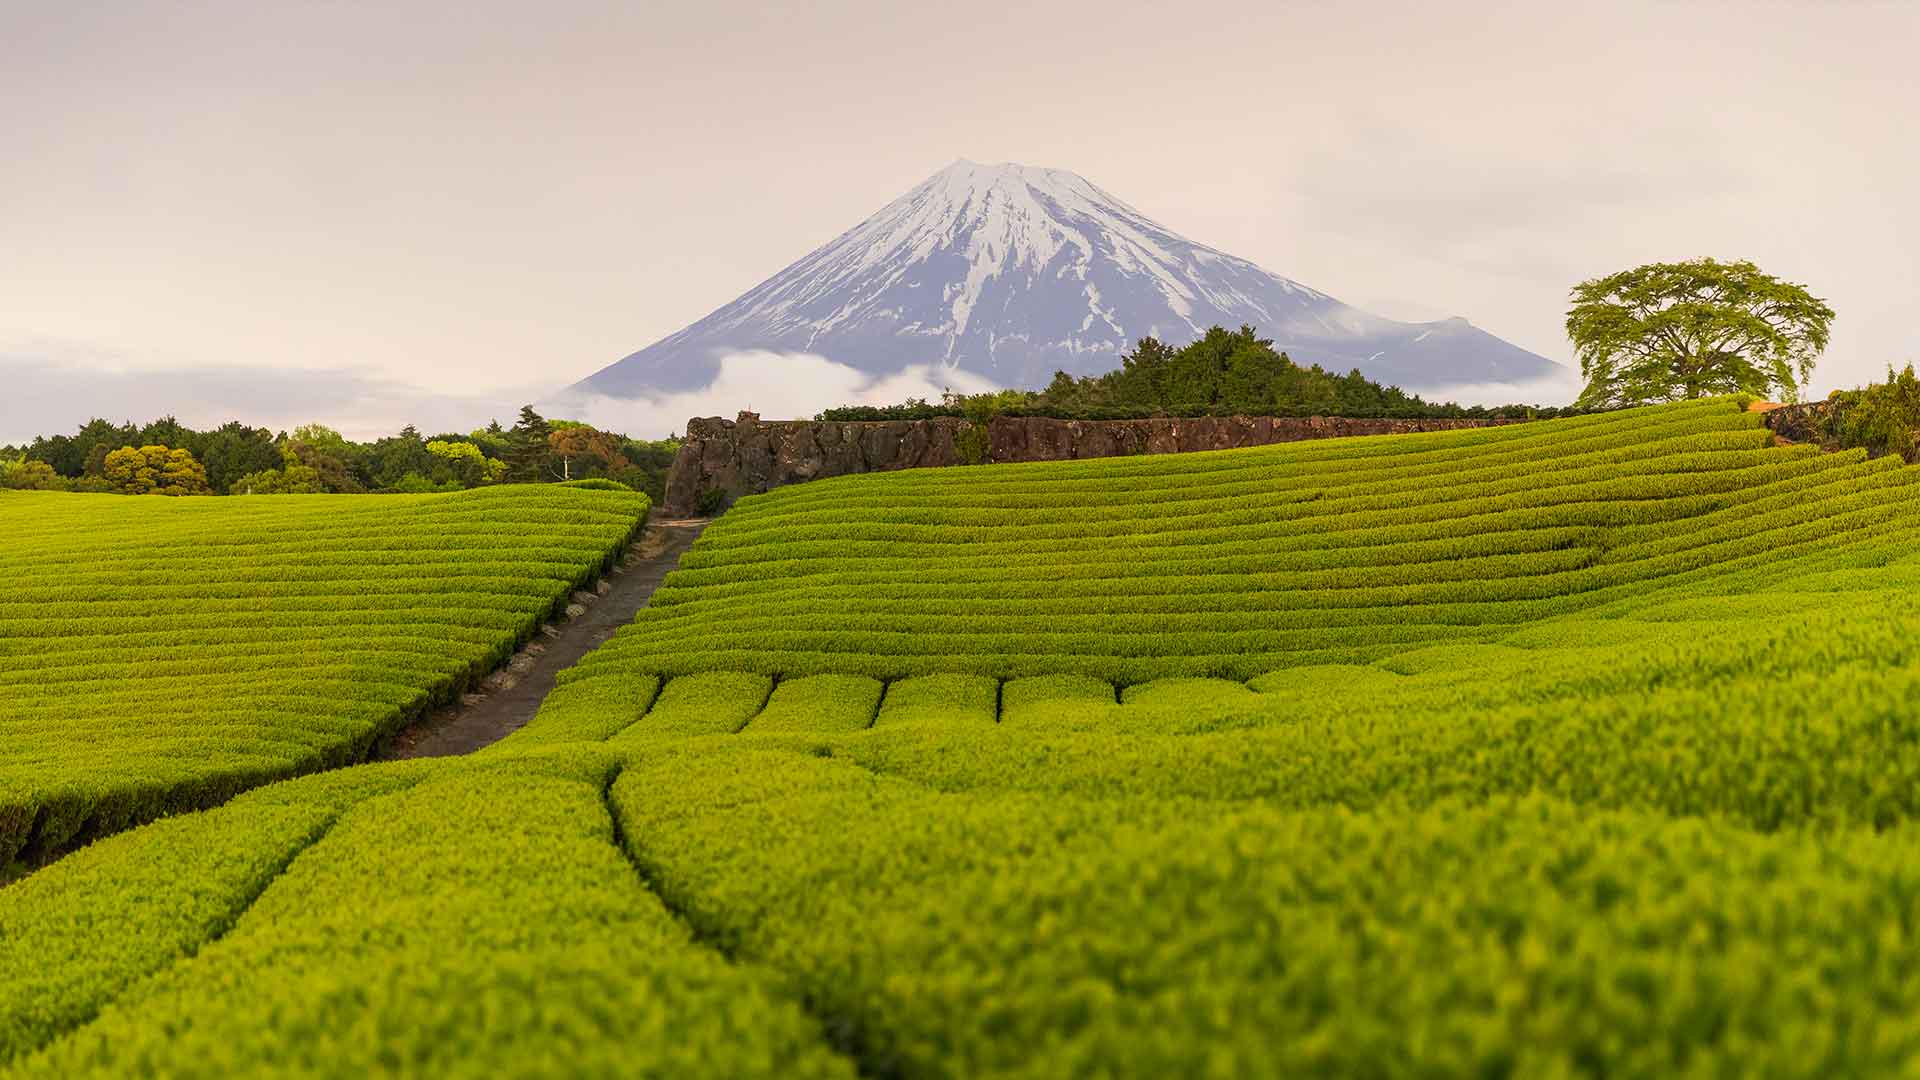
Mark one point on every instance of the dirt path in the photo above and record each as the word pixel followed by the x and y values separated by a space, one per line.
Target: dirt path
pixel 513 694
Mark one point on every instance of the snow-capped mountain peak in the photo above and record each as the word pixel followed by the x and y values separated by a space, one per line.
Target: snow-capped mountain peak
pixel 1012 271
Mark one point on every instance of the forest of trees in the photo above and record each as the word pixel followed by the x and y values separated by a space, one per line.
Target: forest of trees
pixel 167 457
pixel 1226 372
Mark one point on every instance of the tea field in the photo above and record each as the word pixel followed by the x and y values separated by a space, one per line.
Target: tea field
pixel 159 655
pixel 1588 747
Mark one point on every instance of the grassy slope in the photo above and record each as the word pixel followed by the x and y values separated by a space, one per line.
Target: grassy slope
pixel 161 654
pixel 1623 783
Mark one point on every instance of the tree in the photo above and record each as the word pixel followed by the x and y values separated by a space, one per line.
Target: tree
pixel 396 457
pixel 290 479
pixel 1142 378
pixel 324 439
pixel 169 432
pixel 651 459
pixel 235 451
pixel 1668 331
pixel 155 470
pixel 336 475
pixel 23 475
pixel 465 464
pixel 581 451
pixel 527 447
pixel 82 454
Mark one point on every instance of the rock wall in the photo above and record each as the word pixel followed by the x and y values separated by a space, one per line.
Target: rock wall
pixel 1808 422
pixel 722 460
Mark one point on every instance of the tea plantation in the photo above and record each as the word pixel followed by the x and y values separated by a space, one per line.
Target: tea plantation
pixel 1580 748
pixel 162 654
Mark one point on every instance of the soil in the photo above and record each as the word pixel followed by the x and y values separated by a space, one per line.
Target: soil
pixel 512 695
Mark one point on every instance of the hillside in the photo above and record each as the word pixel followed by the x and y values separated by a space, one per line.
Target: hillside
pixel 162 654
pixel 1579 748
pixel 1013 272
pixel 1242 562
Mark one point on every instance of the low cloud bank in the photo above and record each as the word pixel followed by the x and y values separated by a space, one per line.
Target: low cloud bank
pixel 53 396
pixel 778 386
pixel 1555 390
pixel 50 395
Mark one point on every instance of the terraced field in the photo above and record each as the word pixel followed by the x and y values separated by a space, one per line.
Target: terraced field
pixel 162 654
pixel 1582 748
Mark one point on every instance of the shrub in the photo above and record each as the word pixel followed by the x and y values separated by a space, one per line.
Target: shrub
pixel 1883 418
pixel 30 476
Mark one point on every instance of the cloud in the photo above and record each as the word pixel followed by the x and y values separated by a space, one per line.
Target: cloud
pixel 1556 389
pixel 55 390
pixel 774 384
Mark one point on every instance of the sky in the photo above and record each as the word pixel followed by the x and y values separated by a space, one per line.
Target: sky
pixel 375 214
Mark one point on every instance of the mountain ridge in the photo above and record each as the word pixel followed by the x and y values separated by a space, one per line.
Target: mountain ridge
pixel 1012 271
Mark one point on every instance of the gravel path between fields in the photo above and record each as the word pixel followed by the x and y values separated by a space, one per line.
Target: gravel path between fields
pixel 511 696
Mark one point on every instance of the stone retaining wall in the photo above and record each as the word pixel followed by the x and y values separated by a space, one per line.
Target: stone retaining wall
pixel 722 460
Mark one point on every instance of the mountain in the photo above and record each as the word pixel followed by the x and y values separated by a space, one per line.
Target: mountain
pixel 1013 272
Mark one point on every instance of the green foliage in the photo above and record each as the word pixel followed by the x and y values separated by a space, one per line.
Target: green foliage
pixel 513 938
pixel 70 940
pixel 315 458
pixel 528 447
pixel 711 703
pixel 415 484
pixel 979 932
pixel 820 703
pixel 323 439
pixel 942 698
pixel 21 475
pixel 1582 748
pixel 1672 331
pixel 970 444
pixel 207 649
pixel 1224 373
pixel 589 710
pixel 469 467
pixel 1883 418
pixel 293 479
pixel 1131 569
pixel 649 459
pixel 154 470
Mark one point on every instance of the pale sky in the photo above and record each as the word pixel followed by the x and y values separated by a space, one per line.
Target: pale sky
pixel 404 210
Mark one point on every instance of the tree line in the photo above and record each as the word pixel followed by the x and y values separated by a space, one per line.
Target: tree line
pixel 166 457
pixel 1224 373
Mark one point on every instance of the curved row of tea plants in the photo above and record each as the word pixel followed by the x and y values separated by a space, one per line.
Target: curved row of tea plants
pixel 161 654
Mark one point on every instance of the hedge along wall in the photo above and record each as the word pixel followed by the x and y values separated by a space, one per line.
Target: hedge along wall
pixel 722 460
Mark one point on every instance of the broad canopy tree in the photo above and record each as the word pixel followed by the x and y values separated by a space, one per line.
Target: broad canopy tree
pixel 1669 331
pixel 155 470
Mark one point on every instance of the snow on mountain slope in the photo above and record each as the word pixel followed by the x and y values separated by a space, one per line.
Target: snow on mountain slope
pixel 1012 272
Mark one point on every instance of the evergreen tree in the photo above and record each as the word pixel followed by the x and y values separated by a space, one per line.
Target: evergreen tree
pixel 528 447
